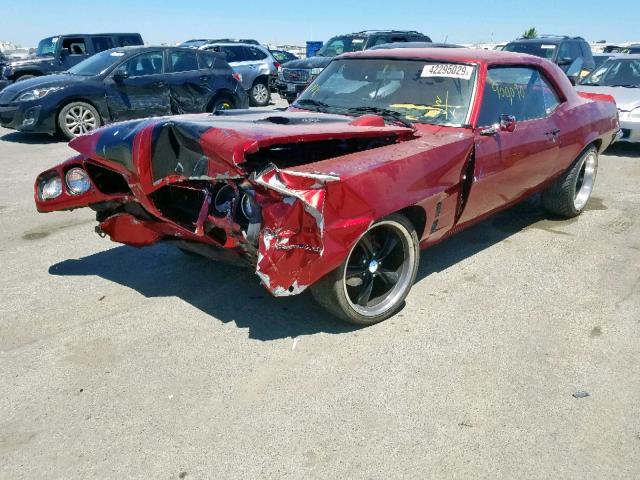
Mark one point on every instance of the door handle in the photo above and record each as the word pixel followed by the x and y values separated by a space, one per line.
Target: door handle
pixel 159 84
pixel 553 134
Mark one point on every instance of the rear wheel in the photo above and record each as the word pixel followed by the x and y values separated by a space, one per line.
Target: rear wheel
pixel 222 104
pixel 78 118
pixel 569 194
pixel 373 282
pixel 259 94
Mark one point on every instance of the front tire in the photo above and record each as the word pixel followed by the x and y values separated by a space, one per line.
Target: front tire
pixel 377 275
pixel 78 118
pixel 259 94
pixel 568 195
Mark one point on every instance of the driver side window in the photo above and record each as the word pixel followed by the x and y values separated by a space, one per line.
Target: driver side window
pixel 145 64
pixel 517 91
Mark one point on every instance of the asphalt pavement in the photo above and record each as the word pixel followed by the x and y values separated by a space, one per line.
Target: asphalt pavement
pixel 517 354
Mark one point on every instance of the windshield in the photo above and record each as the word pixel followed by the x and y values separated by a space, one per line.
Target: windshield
pixel 98 63
pixel 47 46
pixel 411 90
pixel 339 45
pixel 543 50
pixel 616 73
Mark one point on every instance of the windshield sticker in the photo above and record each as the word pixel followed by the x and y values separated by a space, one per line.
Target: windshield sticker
pixel 448 70
pixel 547 46
pixel 357 40
pixel 117 54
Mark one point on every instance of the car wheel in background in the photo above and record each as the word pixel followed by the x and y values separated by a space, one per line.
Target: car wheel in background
pixel 259 94
pixel 78 118
pixel 373 282
pixel 569 194
pixel 25 77
pixel 222 103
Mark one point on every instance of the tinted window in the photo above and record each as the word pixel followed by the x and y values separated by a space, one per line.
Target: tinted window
pixel 145 64
pixel 520 92
pixel 98 63
pixel 539 49
pixel 254 53
pixel 234 54
pixel 569 50
pixel 183 61
pixel 75 46
pixel 126 40
pixel 206 60
pixel 102 43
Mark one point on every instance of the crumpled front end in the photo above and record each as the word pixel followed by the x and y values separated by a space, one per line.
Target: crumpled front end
pixel 228 188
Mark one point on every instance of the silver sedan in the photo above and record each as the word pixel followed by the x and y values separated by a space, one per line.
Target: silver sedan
pixel 619 77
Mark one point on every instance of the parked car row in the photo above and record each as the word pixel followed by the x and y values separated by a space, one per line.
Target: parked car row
pixel 121 84
pixel 43 105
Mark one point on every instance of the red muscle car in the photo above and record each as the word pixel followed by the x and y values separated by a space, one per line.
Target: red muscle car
pixel 385 153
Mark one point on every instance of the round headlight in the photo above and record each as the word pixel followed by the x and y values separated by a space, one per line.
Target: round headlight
pixel 51 188
pixel 77 181
pixel 223 201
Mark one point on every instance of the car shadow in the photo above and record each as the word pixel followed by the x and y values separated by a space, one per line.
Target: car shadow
pixel 30 138
pixel 623 149
pixel 233 294
pixel 528 214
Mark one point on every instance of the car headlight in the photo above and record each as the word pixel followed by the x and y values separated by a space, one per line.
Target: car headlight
pixel 36 94
pixel 51 188
pixel 77 181
pixel 316 71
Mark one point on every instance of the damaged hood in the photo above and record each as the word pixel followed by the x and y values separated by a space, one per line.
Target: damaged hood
pixel 214 147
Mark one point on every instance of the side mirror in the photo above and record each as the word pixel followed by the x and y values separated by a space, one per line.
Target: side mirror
pixel 64 53
pixel 120 75
pixel 507 123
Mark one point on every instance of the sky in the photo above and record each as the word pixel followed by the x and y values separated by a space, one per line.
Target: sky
pixel 293 22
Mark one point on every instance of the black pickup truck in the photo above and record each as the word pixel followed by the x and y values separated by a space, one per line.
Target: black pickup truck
pixel 61 52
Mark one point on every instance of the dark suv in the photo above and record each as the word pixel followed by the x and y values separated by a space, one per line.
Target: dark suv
pixel 294 76
pixel 59 53
pixel 572 54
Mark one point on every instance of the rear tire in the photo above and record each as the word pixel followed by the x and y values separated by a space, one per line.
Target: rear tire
pixel 260 94
pixel 222 103
pixel 568 195
pixel 377 275
pixel 78 118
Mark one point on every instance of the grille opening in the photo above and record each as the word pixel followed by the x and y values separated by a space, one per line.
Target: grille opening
pixel 107 181
pixel 302 153
pixel 180 204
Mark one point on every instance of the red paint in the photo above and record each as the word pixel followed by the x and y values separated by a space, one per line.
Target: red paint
pixel 312 214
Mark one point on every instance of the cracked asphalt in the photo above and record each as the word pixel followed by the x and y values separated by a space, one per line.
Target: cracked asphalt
pixel 118 362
